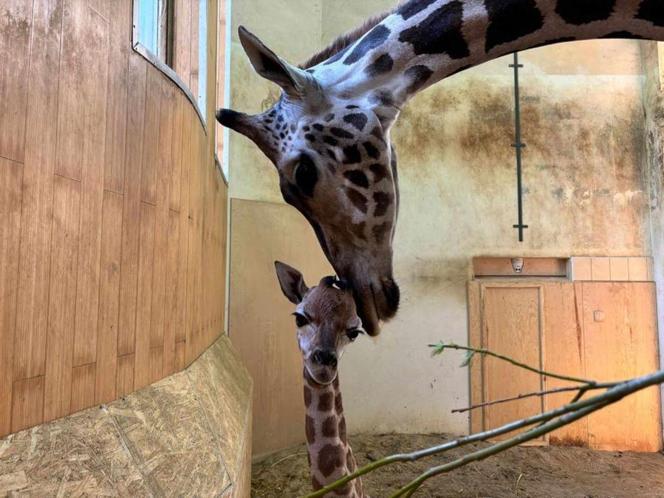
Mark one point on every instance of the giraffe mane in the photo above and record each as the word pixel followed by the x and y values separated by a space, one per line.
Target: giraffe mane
pixel 344 41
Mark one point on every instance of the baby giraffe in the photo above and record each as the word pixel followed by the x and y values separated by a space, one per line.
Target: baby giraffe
pixel 327 322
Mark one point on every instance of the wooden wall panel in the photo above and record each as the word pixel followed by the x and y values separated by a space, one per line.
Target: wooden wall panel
pixel 112 241
pixel 15 22
pixel 11 174
pixel 37 202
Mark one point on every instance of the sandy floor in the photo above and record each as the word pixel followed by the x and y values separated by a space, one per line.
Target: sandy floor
pixel 553 472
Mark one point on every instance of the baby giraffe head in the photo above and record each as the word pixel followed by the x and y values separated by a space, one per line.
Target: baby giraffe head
pixel 326 320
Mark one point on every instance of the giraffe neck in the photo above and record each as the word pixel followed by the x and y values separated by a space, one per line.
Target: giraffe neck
pixel 423 41
pixel 330 454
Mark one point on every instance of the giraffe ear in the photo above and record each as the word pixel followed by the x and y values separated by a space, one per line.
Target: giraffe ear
pixel 291 282
pixel 293 80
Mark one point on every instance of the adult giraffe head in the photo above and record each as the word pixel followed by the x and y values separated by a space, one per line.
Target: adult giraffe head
pixel 328 137
pixel 329 133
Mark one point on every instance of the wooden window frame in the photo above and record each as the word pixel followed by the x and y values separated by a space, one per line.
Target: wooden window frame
pixel 152 58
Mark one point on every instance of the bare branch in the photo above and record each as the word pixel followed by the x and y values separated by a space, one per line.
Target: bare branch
pixel 441 346
pixel 604 385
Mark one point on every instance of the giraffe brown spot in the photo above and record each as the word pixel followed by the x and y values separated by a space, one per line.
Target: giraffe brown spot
pixel 358 200
pixel 357 177
pixel 358 230
pixel 330 458
pixel 328 117
pixel 379 172
pixel 418 76
pixel 381 65
pixel 377 133
pixel 352 106
pixel 307 396
pixel 325 402
pixel 329 428
pixel 510 20
pixel 373 39
pixel 358 120
pixel 338 404
pixel 413 7
pixel 372 151
pixel 342 430
pixel 309 429
pixel 383 201
pixel 352 155
pixel 384 98
pixel 653 11
pixel 439 33
pixel 379 231
pixel 584 11
pixel 319 127
pixel 340 132
pixel 310 137
pixel 330 140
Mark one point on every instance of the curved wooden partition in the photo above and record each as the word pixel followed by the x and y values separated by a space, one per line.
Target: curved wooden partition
pixel 112 212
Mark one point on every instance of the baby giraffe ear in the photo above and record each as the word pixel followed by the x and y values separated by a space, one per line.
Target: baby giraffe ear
pixel 293 80
pixel 291 282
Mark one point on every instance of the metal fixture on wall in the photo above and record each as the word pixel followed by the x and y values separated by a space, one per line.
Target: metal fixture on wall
pixel 518 146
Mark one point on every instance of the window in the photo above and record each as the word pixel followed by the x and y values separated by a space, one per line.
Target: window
pixel 173 36
pixel 154 28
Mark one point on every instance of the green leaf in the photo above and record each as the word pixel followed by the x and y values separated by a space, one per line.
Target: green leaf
pixel 468 359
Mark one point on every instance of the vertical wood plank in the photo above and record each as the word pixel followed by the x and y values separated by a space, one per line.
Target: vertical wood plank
pixel 28 403
pixel 151 135
pixel 62 302
pixel 82 387
pixel 109 299
pixel 125 380
pixel 15 30
pixel 117 95
pixel 182 59
pixel 171 283
pixel 144 305
pixel 164 167
pixel 132 204
pixel 83 71
pixel 156 365
pixel 180 361
pixel 563 353
pixel 11 174
pixel 93 118
pixel 37 209
pixel 176 171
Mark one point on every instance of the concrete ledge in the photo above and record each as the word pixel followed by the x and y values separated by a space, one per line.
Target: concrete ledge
pixel 188 434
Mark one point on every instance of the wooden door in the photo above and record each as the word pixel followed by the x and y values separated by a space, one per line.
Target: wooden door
pixel 620 342
pixel 511 325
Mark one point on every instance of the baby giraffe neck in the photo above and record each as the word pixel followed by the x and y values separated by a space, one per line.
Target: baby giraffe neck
pixel 330 455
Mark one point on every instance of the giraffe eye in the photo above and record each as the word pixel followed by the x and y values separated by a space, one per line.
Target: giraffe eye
pixel 306 175
pixel 353 333
pixel 301 320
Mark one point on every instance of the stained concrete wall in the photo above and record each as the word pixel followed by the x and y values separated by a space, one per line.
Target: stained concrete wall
pixel 653 109
pixel 187 435
pixel 584 195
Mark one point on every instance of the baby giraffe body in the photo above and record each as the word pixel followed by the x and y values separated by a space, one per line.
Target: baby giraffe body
pixel 327 321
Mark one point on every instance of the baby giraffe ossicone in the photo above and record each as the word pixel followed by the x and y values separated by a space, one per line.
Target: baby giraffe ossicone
pixel 327 321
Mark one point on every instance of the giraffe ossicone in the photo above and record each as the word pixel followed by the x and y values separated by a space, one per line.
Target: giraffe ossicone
pixel 329 133
pixel 326 321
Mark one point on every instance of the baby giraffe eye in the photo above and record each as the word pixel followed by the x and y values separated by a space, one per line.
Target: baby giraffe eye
pixel 300 320
pixel 353 333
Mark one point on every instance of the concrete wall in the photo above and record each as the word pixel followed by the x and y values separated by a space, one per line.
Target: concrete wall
pixel 584 195
pixel 653 108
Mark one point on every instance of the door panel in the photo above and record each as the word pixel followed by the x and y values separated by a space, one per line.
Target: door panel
pixel 511 326
pixel 621 342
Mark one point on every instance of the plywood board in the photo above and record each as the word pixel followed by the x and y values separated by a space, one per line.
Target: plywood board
pixel 620 343
pixel 511 326
pixel 563 353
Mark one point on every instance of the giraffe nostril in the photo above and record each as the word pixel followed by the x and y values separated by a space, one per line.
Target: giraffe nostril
pixel 325 358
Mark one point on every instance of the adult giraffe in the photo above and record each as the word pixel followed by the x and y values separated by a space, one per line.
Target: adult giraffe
pixel 329 133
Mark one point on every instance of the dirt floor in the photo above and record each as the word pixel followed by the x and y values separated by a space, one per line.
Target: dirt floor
pixel 552 472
